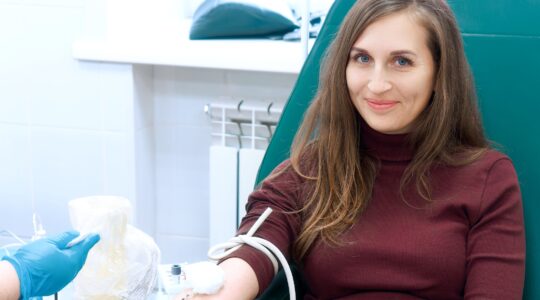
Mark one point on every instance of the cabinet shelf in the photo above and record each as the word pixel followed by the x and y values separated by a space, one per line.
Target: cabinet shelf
pixel 178 50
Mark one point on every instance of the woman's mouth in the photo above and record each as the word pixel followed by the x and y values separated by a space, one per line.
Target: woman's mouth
pixel 381 105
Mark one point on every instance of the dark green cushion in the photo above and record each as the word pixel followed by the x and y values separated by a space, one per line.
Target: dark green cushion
pixel 233 19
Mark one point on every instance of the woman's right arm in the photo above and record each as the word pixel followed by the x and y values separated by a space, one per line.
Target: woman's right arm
pixel 247 270
pixel 240 282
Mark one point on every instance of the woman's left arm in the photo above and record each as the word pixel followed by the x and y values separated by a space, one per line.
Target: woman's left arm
pixel 496 241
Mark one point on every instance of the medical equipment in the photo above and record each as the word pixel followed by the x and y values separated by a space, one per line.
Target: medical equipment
pixel 170 282
pixel 208 278
pixel 39 231
pixel 124 264
pixel 269 249
pixel 189 279
pixel 176 271
pixel 9 248
pixel 78 239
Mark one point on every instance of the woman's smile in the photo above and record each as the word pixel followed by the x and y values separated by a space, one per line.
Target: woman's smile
pixel 379 105
pixel 390 73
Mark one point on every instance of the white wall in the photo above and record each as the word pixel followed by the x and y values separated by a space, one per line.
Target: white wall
pixel 70 128
pixel 65 126
pixel 182 132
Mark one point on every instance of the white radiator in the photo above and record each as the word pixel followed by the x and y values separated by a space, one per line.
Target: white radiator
pixel 240 136
pixel 223 193
pixel 249 161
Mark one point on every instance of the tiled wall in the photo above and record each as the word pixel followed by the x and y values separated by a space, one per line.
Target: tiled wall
pixel 182 132
pixel 65 126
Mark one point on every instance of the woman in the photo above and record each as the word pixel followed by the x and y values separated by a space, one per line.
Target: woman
pixel 391 191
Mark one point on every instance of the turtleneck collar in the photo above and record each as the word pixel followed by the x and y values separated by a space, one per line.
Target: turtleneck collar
pixel 386 147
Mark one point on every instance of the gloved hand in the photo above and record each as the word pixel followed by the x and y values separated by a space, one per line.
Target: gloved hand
pixel 46 266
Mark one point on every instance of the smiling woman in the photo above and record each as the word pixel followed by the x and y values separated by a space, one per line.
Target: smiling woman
pixel 392 190
pixel 391 72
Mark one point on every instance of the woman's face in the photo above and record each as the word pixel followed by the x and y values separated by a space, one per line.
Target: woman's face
pixel 390 73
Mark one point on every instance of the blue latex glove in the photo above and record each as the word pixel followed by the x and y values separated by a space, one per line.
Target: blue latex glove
pixel 46 266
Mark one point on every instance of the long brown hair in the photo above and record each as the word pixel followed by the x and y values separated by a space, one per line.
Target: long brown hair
pixel 341 175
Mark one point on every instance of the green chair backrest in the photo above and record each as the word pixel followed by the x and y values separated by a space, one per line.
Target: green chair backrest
pixel 502 42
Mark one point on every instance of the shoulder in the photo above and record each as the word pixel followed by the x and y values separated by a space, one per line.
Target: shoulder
pixel 486 162
pixel 492 167
pixel 492 183
pixel 469 184
pixel 493 162
pixel 497 171
pixel 282 171
pixel 283 177
pixel 491 156
pixel 501 194
pixel 498 168
pixel 280 190
pixel 288 170
pixel 287 179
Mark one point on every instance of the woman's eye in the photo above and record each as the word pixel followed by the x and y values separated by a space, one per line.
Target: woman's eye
pixel 363 58
pixel 402 61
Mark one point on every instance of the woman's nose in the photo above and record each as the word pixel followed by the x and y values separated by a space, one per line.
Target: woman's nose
pixel 379 86
pixel 378 82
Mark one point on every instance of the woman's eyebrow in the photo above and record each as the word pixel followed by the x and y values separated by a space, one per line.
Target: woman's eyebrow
pixel 359 50
pixel 393 53
pixel 402 52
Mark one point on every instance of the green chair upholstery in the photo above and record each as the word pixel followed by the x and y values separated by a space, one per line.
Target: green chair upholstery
pixel 502 42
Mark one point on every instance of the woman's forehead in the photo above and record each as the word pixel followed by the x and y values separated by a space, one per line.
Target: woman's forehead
pixel 395 32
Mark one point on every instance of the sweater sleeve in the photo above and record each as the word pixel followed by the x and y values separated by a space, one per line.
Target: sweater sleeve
pixel 496 241
pixel 280 193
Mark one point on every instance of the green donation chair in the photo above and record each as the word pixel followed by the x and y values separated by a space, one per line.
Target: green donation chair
pixel 502 42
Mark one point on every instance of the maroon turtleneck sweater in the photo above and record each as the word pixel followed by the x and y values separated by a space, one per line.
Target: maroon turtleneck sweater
pixel 468 243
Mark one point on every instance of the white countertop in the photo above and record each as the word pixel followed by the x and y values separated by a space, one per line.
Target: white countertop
pixel 176 49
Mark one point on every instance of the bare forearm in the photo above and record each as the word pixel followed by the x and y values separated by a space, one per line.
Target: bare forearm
pixel 240 282
pixel 9 282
